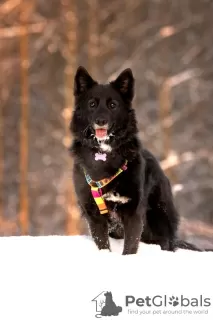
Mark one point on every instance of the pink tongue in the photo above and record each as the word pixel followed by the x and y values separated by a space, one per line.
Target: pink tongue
pixel 100 133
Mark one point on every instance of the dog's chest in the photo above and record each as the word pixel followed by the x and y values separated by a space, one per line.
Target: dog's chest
pixel 115 197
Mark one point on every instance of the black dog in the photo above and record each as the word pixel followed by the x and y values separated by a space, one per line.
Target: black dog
pixel 110 308
pixel 137 204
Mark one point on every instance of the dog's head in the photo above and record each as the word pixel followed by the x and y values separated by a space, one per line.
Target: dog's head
pixel 103 112
pixel 108 294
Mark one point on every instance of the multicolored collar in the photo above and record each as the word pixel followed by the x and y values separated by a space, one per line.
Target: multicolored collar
pixel 96 187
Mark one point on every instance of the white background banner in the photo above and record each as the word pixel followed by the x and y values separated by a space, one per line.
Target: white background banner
pixel 66 278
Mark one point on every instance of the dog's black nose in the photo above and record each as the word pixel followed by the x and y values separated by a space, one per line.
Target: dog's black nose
pixel 101 121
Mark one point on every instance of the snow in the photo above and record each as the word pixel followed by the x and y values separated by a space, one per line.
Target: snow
pixel 57 277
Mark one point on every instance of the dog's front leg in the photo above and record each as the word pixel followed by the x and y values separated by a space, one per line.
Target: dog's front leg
pixel 99 230
pixel 133 228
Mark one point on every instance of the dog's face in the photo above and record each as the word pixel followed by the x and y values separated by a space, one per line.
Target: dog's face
pixel 103 113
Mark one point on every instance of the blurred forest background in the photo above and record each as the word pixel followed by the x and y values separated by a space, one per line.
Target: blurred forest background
pixel 168 45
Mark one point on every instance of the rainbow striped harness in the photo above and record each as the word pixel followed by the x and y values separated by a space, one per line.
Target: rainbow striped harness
pixel 96 187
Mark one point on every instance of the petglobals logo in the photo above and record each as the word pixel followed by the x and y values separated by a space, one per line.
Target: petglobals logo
pixel 106 304
pixel 164 301
pixel 163 304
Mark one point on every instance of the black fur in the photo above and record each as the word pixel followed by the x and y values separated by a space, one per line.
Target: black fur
pixel 150 215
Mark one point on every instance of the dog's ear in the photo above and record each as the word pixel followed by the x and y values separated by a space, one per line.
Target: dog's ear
pixel 125 84
pixel 83 81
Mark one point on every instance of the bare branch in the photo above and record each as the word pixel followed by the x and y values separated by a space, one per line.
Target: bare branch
pixel 71 24
pixel 196 227
pixel 24 55
pixel 102 302
pixel 183 76
pixel 18 31
pixel 174 159
pixel 1 159
pixel 8 6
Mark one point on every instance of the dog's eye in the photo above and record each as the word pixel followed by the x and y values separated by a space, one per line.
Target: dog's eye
pixel 92 104
pixel 112 104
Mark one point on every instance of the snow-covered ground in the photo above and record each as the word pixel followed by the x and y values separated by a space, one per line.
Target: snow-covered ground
pixel 57 277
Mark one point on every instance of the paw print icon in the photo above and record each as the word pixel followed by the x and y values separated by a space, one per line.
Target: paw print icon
pixel 174 301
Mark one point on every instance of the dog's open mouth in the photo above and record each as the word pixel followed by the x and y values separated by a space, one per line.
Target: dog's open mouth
pixel 101 133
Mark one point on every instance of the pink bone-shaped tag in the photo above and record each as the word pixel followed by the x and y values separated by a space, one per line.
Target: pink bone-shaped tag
pixel 100 156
